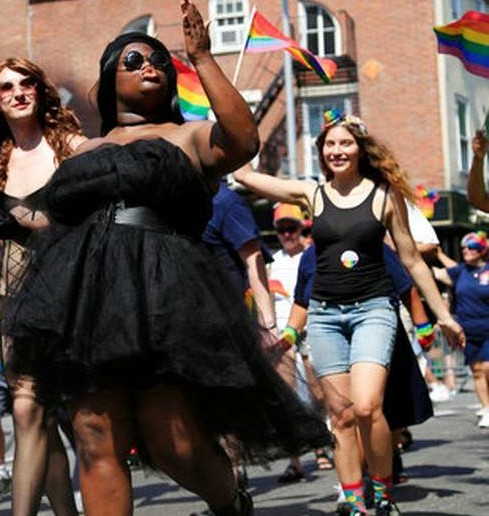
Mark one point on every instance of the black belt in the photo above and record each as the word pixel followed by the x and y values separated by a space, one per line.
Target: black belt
pixel 141 217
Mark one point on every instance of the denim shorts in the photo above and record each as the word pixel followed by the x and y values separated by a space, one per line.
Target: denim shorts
pixel 344 334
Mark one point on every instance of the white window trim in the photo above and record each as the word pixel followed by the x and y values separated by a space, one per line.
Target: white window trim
pixel 466 138
pixel 302 20
pixel 216 30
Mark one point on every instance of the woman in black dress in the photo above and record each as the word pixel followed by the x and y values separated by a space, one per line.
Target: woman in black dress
pixel 138 329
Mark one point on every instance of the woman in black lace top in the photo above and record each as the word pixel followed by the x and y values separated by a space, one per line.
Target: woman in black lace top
pixel 36 134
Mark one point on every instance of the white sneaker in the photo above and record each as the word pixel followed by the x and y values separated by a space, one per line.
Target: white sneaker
pixel 78 502
pixel 484 421
pixel 439 392
pixel 482 411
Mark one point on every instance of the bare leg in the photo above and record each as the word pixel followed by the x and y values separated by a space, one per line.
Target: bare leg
pixel 104 431
pixel 58 485
pixel 180 447
pixel 368 382
pixel 31 441
pixel 347 452
pixel 480 372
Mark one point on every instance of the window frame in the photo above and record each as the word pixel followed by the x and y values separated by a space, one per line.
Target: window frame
pixel 217 30
pixel 145 21
pixel 320 30
pixel 464 151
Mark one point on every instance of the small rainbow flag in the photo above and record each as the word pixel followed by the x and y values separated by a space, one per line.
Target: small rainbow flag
pixel 265 37
pixel 192 98
pixel 467 39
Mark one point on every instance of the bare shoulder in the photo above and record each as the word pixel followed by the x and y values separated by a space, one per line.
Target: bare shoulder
pixel 88 144
pixel 311 189
pixel 76 140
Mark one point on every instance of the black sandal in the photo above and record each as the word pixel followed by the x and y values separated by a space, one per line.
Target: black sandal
pixel 291 474
pixel 323 462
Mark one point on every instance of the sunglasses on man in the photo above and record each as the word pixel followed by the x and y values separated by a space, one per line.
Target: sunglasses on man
pixel 281 230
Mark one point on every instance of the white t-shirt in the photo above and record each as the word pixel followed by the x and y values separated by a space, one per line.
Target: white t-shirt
pixel 283 272
pixel 421 228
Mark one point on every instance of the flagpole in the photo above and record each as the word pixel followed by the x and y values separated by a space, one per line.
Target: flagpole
pixel 289 97
pixel 243 48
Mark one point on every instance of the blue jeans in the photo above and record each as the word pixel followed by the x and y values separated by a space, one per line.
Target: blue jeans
pixel 344 334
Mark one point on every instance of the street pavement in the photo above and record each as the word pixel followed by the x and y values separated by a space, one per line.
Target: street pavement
pixel 447 466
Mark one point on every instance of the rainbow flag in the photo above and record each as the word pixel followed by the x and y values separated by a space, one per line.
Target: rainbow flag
pixel 191 96
pixel 467 39
pixel 265 37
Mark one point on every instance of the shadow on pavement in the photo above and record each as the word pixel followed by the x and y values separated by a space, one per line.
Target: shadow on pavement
pixel 434 471
pixel 421 444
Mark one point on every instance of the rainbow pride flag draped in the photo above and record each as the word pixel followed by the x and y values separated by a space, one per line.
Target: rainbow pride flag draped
pixel 467 39
pixel 265 37
pixel 193 101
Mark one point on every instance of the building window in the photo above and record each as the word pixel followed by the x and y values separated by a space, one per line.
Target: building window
pixel 229 24
pixel 319 32
pixel 463 136
pixel 481 6
pixel 141 24
pixel 313 110
pixel 456 9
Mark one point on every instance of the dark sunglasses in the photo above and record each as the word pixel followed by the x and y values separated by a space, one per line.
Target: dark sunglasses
pixel 134 60
pixel 474 246
pixel 287 229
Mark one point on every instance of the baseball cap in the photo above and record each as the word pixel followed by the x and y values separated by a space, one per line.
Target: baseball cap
pixel 285 211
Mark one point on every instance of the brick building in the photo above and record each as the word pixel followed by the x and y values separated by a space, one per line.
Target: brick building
pixel 423 105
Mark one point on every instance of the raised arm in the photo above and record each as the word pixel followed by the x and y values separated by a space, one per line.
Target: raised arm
pixel 233 139
pixel 476 188
pixel 275 188
pixel 396 219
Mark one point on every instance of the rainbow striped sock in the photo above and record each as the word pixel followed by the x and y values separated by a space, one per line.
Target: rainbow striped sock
pixel 381 486
pixel 354 495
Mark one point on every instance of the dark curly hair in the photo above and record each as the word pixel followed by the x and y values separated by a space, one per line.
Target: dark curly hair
pixel 106 94
pixel 59 124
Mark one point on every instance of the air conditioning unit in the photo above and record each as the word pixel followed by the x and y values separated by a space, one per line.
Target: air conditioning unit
pixel 452 208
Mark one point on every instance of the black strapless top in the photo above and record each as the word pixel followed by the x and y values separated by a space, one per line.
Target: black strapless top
pixel 10 229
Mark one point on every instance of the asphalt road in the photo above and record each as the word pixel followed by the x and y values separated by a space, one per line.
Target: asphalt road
pixel 447 466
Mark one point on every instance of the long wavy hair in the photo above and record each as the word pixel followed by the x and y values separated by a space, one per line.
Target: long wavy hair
pixel 59 124
pixel 106 94
pixel 376 162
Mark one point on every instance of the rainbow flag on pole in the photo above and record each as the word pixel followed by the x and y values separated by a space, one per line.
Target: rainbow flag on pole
pixel 191 96
pixel 265 37
pixel 467 39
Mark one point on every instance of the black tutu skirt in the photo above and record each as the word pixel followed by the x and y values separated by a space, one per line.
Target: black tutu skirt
pixel 106 304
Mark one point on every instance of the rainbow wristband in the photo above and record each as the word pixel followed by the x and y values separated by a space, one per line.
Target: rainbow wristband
pixel 289 336
pixel 425 334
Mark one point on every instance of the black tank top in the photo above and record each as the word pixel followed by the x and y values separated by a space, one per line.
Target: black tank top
pixel 349 253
